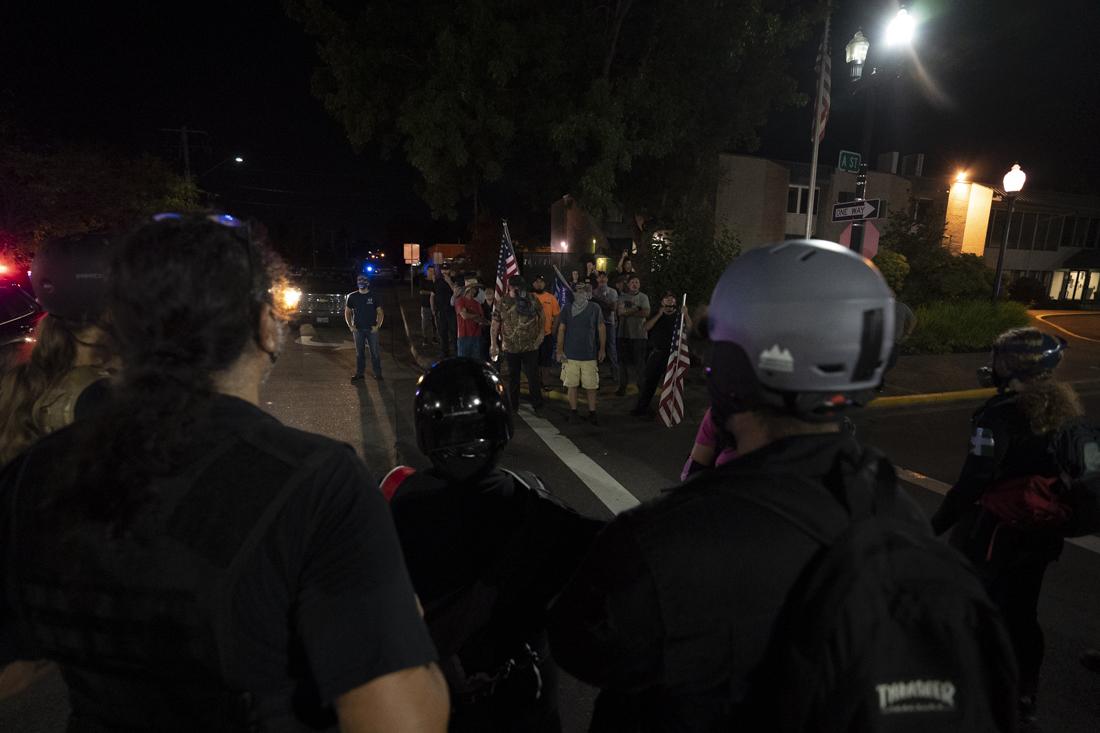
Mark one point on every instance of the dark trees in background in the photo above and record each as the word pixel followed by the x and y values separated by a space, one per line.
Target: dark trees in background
pixel 624 104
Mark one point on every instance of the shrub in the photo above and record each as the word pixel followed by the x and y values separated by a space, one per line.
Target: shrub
pixel 961 326
pixel 1027 290
pixel 894 268
pixel 690 259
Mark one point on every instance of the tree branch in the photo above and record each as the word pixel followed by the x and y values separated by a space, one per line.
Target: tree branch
pixel 622 9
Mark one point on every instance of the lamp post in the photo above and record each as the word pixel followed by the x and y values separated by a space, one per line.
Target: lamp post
pixel 237 160
pixel 898 32
pixel 1013 184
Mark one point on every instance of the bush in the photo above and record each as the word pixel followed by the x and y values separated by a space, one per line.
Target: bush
pixel 1027 290
pixel 690 259
pixel 961 326
pixel 894 268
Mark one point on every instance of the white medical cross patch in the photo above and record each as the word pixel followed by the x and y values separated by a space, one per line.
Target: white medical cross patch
pixel 981 443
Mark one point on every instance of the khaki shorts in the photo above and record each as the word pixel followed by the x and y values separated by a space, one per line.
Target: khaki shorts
pixel 580 374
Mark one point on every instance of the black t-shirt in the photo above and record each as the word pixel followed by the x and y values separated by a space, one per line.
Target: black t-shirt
pixel 320 600
pixel 443 293
pixel 365 306
pixel 660 336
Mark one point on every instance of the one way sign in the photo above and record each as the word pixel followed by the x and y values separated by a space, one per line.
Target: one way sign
pixel 856 210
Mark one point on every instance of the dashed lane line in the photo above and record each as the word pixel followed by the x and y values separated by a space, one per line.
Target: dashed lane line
pixel 1089 542
pixel 610 492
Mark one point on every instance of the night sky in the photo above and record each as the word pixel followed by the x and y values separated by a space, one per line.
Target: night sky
pixel 1014 80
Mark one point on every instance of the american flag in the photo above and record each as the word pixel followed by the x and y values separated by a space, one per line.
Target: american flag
pixel 507 267
pixel 821 104
pixel 671 405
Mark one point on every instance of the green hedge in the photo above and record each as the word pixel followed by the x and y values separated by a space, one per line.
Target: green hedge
pixel 944 328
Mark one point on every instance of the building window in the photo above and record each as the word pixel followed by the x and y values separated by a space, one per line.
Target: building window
pixel 921 207
pixel 798 199
pixel 1082 232
pixel 1027 230
pixel 1054 234
pixel 996 228
pixel 1067 231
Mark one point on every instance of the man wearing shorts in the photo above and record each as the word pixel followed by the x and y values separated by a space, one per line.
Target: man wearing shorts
pixel 582 340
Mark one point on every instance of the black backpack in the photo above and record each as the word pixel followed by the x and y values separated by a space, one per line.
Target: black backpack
pixel 1075 449
pixel 887 629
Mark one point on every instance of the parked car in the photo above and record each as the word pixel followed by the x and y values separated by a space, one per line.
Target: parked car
pixel 18 314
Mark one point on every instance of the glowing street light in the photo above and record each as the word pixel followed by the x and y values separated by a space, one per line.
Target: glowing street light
pixel 899 31
pixel 855 54
pixel 238 159
pixel 960 177
pixel 1013 184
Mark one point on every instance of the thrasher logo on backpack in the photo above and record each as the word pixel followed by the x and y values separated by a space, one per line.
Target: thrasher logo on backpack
pixel 886 630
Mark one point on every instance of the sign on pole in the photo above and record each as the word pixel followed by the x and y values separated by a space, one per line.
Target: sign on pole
pixel 849 161
pixel 856 210
pixel 870 239
pixel 412 254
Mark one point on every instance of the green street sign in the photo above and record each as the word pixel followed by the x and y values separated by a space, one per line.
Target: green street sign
pixel 849 161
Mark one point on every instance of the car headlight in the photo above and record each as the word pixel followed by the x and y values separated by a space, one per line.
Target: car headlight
pixel 291 297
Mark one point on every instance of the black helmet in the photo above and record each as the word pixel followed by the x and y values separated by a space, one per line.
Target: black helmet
pixel 804 326
pixel 69 276
pixel 462 418
pixel 1022 353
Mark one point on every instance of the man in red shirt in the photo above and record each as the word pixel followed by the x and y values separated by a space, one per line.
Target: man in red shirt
pixel 470 320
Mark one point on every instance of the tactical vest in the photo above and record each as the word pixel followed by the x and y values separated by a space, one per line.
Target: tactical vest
pixel 143 630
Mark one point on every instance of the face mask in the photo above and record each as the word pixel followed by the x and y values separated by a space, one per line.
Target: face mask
pixel 580 298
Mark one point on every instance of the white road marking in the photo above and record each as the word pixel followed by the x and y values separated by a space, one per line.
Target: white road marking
pixel 609 491
pixel 1089 542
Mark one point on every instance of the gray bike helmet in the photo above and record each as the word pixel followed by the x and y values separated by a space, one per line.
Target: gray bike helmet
pixel 805 326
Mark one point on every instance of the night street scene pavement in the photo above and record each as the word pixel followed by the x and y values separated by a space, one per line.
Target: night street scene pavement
pixel 489 366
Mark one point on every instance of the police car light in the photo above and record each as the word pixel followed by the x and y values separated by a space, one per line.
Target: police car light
pixel 369 268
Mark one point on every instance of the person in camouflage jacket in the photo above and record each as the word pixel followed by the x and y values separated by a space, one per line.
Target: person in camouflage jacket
pixel 519 327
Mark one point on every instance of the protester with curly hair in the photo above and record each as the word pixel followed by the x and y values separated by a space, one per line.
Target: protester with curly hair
pixel 188 561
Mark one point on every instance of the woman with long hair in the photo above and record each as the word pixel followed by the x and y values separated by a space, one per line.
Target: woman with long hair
pixel 189 562
pixel 1009 445
pixel 72 350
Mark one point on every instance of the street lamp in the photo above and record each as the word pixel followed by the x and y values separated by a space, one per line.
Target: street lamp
pixel 237 160
pixel 898 32
pixel 855 54
pixel 1013 184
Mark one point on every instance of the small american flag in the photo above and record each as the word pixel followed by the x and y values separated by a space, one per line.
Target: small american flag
pixel 671 405
pixel 507 267
pixel 824 67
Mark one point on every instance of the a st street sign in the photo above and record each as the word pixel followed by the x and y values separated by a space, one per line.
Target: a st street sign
pixel 856 210
pixel 849 161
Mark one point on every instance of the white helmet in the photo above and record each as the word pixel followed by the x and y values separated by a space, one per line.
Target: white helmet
pixel 805 326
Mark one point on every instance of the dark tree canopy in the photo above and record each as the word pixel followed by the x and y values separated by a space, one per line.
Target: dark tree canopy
pixel 624 104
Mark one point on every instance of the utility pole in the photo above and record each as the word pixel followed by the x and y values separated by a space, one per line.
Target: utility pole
pixel 185 146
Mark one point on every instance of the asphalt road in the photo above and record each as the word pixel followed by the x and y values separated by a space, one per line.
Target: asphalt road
pixel 602 469
pixel 599 469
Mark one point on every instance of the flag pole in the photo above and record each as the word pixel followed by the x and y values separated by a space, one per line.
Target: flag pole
pixel 817 130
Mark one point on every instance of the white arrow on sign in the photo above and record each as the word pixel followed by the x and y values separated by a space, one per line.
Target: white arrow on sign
pixel 860 209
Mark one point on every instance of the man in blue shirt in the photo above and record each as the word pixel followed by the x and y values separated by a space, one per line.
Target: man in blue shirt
pixel 364 315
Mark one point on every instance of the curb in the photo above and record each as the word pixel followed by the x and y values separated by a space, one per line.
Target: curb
pixel 932 397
